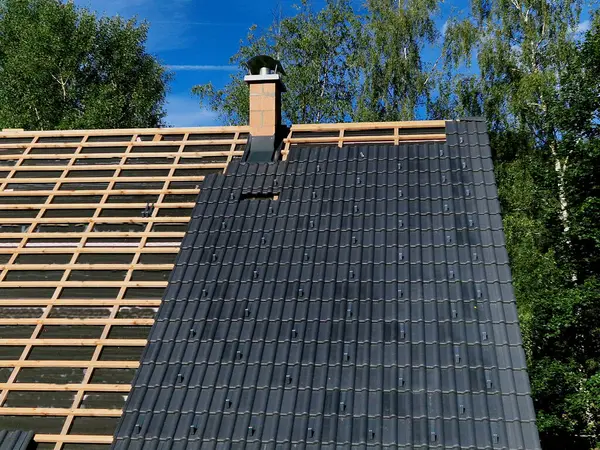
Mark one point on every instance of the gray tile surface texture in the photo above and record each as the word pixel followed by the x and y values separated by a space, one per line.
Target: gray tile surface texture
pixel 16 440
pixel 370 305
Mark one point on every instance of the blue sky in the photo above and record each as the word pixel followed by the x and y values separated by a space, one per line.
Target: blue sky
pixel 195 38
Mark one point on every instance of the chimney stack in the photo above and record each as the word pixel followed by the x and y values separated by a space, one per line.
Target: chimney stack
pixel 265 102
pixel 266 87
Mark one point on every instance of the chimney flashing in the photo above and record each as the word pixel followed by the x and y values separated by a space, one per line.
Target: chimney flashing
pixel 266 78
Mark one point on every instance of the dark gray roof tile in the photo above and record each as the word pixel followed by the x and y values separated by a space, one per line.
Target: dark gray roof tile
pixel 17 440
pixel 371 304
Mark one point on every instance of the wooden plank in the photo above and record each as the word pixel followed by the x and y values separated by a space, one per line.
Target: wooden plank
pixel 104 246
pixel 82 193
pixel 126 131
pixel 74 342
pixel 102 179
pixel 91 249
pixel 286 147
pixel 85 284
pixel 137 266
pixel 74 438
pixel 83 412
pixel 118 154
pixel 144 144
pixel 92 220
pixel 51 387
pixel 87 321
pixel 369 125
pixel 80 302
pixel 222 130
pixel 232 151
pixel 76 206
pixel 176 235
pixel 70 364
pixel 94 167
pixel 225 129
pixel 358 139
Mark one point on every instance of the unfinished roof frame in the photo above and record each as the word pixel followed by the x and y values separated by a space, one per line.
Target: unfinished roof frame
pixel 79 195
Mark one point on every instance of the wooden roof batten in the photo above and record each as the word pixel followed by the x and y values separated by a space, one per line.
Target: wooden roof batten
pixel 355 126
pixel 90 224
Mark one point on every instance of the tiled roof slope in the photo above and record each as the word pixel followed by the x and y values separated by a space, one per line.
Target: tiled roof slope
pixel 16 440
pixel 368 304
pixel 90 224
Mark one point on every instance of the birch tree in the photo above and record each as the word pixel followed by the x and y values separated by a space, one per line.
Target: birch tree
pixel 522 48
pixel 397 82
pixel 318 51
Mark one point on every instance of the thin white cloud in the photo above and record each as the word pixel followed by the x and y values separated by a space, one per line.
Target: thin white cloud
pixel 445 26
pixel 201 67
pixel 583 27
pixel 207 24
pixel 162 36
pixel 578 32
pixel 113 7
pixel 185 111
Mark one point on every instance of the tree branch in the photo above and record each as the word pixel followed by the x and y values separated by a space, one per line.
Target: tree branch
pixel 63 85
pixel 429 75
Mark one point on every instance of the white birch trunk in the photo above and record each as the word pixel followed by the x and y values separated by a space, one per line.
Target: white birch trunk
pixel 560 167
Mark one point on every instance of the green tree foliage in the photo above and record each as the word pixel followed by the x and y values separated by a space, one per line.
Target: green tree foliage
pixel 523 49
pixel 577 111
pixel 341 65
pixel 566 344
pixel 397 82
pixel 61 67
pixel 317 48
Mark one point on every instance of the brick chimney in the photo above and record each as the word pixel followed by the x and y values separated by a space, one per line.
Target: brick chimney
pixel 265 102
pixel 266 87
